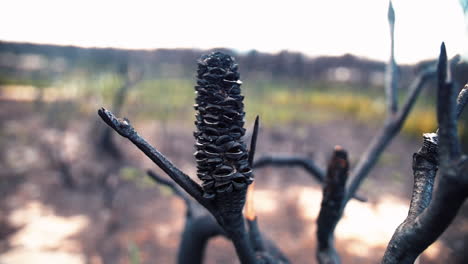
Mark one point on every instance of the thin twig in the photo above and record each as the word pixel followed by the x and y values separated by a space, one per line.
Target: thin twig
pixel 280 161
pixel 307 164
pixel 125 129
pixel 174 187
pixel 446 111
pixel 253 141
pixel 192 206
pixel 391 128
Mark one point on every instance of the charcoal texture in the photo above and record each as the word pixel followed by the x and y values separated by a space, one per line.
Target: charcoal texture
pixel 222 157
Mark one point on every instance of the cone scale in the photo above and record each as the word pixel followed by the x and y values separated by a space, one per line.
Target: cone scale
pixel 221 155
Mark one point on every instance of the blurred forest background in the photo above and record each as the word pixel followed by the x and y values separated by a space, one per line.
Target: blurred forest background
pixel 72 191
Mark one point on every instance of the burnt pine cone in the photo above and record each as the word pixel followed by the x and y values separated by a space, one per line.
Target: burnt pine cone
pixel 222 157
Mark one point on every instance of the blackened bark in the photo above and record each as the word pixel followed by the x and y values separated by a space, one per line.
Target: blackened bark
pixel 428 218
pixel 330 210
pixel 200 226
pixel 425 167
pixel 125 129
pixel 197 232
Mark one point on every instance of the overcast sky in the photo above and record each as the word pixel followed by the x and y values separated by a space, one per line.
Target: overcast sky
pixel 315 27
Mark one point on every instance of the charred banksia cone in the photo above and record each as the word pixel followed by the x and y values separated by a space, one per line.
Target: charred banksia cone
pixel 222 157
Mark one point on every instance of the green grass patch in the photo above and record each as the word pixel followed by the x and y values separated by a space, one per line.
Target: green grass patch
pixel 278 103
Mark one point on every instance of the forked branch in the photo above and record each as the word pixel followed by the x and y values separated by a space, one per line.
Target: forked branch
pixel 296 161
pixel 200 226
pixel 430 211
pixel 193 208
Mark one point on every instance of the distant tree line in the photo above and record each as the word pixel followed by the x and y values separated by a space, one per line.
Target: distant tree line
pixel 178 63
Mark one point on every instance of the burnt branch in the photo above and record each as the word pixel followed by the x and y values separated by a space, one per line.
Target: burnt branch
pixel 429 216
pixel 264 248
pixel 446 111
pixel 125 129
pixel 200 226
pixel 195 237
pixel 391 128
pixel 425 165
pixel 255 236
pixel 330 210
pixel 253 141
pixel 291 161
pixel 250 215
pixel 193 208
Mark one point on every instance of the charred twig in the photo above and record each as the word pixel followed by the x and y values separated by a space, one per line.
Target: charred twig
pixel 193 208
pixel 174 187
pixel 392 126
pixel 428 218
pixel 253 141
pixel 290 161
pixel 333 196
pixel 125 129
